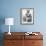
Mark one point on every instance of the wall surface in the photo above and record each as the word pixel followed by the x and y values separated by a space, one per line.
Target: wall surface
pixel 11 8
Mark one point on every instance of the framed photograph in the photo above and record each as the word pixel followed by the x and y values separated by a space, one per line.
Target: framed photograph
pixel 27 15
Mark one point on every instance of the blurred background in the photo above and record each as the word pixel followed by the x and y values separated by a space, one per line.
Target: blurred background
pixel 11 8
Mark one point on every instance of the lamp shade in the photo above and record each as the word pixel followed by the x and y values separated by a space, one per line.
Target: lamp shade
pixel 9 21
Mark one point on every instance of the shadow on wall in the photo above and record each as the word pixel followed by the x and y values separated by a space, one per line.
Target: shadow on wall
pixel 2 21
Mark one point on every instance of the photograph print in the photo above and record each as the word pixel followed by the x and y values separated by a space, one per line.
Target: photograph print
pixel 27 15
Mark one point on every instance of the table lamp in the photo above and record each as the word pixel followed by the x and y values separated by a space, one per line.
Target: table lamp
pixel 9 21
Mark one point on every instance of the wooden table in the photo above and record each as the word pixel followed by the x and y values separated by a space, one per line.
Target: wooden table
pixel 20 39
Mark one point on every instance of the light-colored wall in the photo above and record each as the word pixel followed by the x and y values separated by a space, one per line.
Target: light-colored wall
pixel 11 8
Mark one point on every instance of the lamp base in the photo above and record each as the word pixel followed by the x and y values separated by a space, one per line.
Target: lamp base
pixel 9 33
